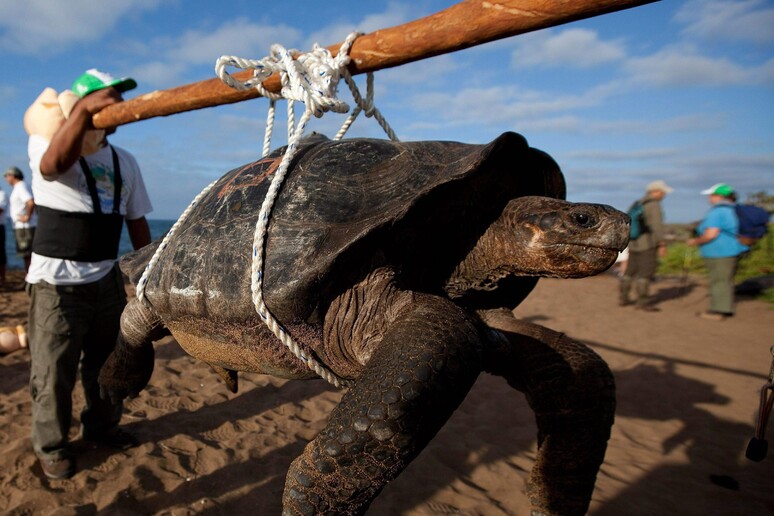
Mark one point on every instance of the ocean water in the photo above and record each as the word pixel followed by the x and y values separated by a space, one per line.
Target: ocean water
pixel 157 229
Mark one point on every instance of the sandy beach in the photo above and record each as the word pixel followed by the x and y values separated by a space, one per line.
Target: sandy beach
pixel 688 393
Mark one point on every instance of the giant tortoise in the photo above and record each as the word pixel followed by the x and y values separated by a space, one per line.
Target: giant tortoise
pixel 396 266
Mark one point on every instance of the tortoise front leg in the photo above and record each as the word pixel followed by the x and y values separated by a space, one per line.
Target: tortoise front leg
pixel 128 369
pixel 428 360
pixel 572 392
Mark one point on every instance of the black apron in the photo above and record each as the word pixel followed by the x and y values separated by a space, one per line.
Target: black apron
pixel 83 237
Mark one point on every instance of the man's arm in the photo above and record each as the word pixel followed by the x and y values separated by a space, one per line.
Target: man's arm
pixel 139 232
pixel 65 147
pixel 29 207
pixel 707 236
pixel 655 221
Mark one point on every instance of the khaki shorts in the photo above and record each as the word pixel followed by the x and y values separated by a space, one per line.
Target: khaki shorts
pixel 24 237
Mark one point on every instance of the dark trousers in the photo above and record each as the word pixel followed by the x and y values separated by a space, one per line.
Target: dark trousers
pixel 640 270
pixel 71 328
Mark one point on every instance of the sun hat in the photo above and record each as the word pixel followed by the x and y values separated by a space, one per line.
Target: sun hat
pixel 721 189
pixel 15 172
pixel 94 80
pixel 659 184
pixel 44 116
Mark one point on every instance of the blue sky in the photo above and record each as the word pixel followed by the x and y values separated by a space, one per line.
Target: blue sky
pixel 678 90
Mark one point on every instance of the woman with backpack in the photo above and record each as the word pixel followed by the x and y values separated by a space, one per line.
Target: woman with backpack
pixel 720 248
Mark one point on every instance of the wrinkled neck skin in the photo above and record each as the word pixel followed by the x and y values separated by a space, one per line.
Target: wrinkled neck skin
pixel 538 236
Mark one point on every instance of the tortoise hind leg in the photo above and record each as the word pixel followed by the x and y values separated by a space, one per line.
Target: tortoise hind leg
pixel 128 369
pixel 426 363
pixel 572 392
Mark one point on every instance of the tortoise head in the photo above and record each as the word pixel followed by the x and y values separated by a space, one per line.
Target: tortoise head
pixel 542 236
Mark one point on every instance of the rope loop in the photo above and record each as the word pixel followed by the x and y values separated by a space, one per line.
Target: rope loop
pixel 311 78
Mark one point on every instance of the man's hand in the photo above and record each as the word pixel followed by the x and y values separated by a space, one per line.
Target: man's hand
pixel 95 102
pixel 65 147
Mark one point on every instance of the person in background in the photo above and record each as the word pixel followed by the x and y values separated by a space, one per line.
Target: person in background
pixel 645 251
pixel 22 209
pixel 84 189
pixel 720 249
pixel 3 257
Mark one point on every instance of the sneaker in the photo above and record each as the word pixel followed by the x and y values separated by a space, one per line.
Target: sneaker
pixel 58 468
pixel 118 439
pixel 648 308
pixel 625 302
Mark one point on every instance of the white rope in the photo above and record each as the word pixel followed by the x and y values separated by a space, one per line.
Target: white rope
pixel 366 106
pixel 312 79
pixel 140 291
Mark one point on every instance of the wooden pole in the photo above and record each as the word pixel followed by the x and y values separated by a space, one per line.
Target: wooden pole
pixel 463 25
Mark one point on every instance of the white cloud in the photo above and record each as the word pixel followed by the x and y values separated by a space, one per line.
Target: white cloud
pixel 639 154
pixel 33 27
pixel 158 74
pixel 239 37
pixel 731 164
pixel 579 48
pixel 7 92
pixel 765 73
pixel 429 71
pixel 683 66
pixel 169 58
pixel 573 124
pixel 498 104
pixel 747 20
pixel 246 39
pixel 395 14
pixel 561 124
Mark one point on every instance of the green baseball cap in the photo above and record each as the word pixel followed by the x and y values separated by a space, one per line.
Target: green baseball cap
pixel 721 189
pixel 94 80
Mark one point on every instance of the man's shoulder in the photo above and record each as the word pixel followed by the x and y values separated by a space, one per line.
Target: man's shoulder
pixel 720 212
pixel 122 152
pixel 127 157
pixel 651 205
pixel 21 186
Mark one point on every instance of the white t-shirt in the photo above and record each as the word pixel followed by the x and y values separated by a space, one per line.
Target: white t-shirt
pixel 69 192
pixel 19 197
pixel 3 207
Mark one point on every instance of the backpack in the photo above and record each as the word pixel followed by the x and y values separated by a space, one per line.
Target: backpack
pixel 638 226
pixel 753 223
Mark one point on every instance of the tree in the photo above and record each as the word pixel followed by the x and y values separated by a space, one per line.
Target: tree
pixel 763 200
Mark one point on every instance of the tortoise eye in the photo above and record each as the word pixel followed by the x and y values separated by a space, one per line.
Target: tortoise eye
pixel 583 219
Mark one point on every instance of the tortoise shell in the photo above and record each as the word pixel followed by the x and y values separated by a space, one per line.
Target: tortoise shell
pixel 345 208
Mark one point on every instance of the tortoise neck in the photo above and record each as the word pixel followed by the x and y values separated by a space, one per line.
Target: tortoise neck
pixel 482 267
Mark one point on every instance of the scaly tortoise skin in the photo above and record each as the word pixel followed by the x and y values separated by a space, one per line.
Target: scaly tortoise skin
pixel 397 266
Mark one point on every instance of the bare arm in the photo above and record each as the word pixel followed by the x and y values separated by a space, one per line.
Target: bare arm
pixel 29 206
pixel 139 232
pixel 65 147
pixel 709 235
